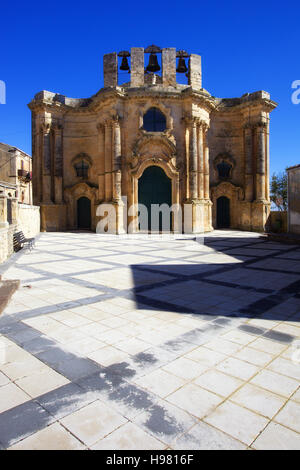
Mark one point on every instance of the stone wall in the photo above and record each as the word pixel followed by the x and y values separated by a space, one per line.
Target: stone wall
pixel 6 242
pixel 294 199
pixel 277 222
pixel 29 220
pixel 25 218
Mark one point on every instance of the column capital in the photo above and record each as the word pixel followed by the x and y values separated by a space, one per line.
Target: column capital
pixel 116 120
pixel 203 125
pixel 107 123
pixel 45 127
pixel 260 125
pixel 191 121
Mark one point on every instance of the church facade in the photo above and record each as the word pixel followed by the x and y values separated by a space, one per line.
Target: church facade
pixel 151 140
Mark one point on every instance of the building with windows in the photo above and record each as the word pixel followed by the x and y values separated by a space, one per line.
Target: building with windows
pixel 153 140
pixel 15 173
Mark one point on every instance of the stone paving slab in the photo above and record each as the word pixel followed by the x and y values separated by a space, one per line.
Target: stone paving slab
pixel 159 342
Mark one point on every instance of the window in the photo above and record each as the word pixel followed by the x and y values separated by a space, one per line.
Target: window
pixel 82 169
pixel 154 121
pixel 224 170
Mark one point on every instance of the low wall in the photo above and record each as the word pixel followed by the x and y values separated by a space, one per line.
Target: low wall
pixel 294 199
pixel 277 222
pixel 6 242
pixel 29 220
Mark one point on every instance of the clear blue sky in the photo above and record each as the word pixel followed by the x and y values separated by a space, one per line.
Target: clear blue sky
pixel 245 47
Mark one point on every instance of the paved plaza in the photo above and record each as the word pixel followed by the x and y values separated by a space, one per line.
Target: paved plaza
pixel 152 343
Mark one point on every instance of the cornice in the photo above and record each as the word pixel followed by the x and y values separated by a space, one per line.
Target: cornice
pixel 47 101
pixel 232 105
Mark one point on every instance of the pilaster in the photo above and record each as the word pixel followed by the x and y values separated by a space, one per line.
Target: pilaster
pixel 193 159
pixel 248 157
pixel 195 72
pixel 110 67
pixel 3 211
pixel 137 67
pixel 206 166
pixel 58 163
pixel 46 163
pixel 169 66
pixel 260 129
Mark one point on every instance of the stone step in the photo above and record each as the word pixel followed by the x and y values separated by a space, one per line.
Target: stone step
pixel 290 238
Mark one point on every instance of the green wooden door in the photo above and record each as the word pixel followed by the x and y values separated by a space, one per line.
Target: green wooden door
pixel 154 188
pixel 84 213
pixel 223 212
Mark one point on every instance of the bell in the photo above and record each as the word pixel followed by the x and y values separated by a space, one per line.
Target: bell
pixel 153 65
pixel 124 64
pixel 182 68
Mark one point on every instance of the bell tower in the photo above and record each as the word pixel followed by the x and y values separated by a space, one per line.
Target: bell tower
pixel 135 62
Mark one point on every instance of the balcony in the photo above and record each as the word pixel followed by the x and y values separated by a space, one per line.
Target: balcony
pixel 25 176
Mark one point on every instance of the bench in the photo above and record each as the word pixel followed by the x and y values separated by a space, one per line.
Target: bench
pixel 20 241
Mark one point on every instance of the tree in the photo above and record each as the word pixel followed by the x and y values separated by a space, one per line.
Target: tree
pixel 278 190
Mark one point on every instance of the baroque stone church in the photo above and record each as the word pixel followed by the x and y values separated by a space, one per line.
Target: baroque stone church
pixel 152 140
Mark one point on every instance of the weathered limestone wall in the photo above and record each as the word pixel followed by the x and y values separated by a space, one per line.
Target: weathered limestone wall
pixel 294 199
pixel 6 242
pixel 24 218
pixel 29 220
pixel 278 221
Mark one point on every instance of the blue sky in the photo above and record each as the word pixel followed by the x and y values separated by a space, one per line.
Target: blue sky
pixel 245 47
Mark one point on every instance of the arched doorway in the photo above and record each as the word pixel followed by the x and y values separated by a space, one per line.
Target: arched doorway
pixel 154 187
pixel 223 212
pixel 83 213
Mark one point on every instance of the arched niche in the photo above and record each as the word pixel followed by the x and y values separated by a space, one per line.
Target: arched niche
pixel 235 195
pixel 71 196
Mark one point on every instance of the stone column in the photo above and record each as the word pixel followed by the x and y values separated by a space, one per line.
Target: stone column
pixel 117 175
pixel 206 166
pixel 195 73
pixel 197 210
pixel 137 67
pixel 108 160
pixel 116 159
pixel 101 176
pixel 169 66
pixel 248 155
pixel 3 211
pixel 58 164
pixel 267 177
pixel 193 159
pixel 46 163
pixel 110 67
pixel 36 162
pixel 200 161
pixel 260 161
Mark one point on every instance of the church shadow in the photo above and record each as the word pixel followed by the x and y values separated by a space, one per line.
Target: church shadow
pixel 243 286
